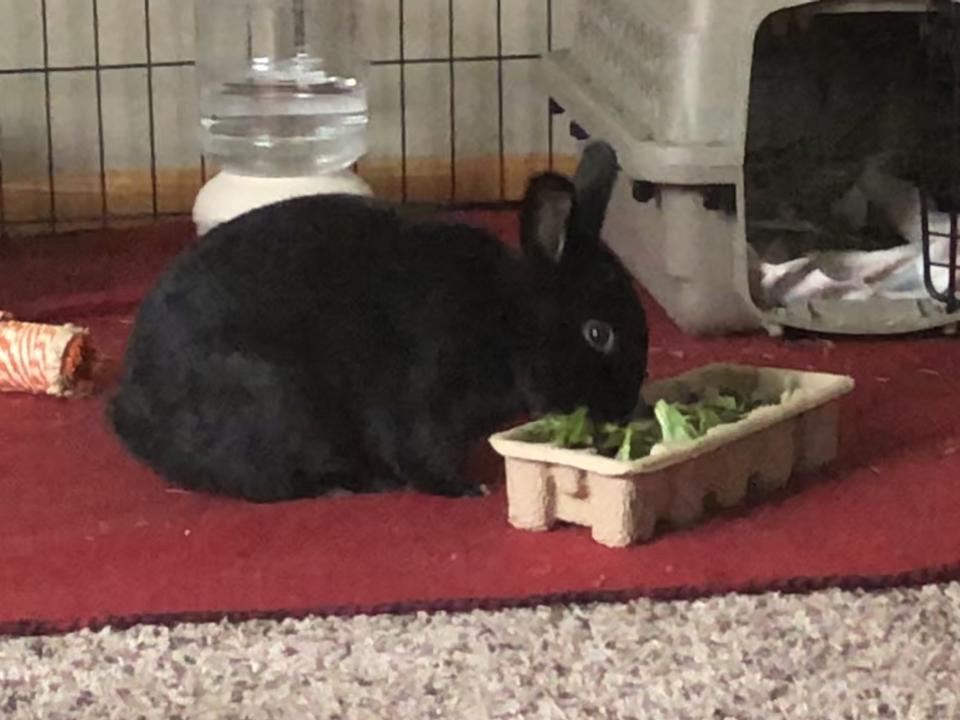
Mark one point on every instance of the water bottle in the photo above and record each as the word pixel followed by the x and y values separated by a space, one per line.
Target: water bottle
pixel 283 101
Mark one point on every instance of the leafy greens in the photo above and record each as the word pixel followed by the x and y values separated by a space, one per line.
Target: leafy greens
pixel 671 422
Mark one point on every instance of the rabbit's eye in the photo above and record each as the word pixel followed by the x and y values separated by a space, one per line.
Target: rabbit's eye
pixel 600 336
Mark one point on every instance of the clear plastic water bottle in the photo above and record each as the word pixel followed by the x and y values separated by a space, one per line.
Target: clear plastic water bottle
pixel 282 85
pixel 283 102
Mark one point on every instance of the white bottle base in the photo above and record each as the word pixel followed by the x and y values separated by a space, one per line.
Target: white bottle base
pixel 228 195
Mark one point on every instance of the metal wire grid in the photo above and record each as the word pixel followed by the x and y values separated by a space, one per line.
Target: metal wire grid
pixel 452 61
pixel 47 70
pixel 149 65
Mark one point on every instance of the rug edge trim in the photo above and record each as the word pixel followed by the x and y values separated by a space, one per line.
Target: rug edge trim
pixel 791 586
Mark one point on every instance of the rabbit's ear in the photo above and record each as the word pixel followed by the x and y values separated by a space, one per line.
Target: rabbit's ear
pixel 560 218
pixel 594 181
pixel 545 216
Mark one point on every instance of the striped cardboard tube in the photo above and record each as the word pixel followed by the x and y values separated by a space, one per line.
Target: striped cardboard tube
pixel 45 359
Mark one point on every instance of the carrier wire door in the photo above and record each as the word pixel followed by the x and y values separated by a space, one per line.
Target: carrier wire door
pixel 940 156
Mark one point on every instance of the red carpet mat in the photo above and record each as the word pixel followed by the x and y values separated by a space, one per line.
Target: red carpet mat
pixel 88 538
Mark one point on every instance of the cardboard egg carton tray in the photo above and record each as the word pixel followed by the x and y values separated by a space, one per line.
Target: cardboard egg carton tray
pixel 623 501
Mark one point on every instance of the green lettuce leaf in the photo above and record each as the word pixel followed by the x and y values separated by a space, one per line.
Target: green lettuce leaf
pixel 672 422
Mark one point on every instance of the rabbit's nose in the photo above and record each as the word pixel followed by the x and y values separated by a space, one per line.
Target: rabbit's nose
pixel 624 413
pixel 642 411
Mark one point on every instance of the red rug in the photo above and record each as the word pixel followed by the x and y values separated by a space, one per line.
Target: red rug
pixel 88 538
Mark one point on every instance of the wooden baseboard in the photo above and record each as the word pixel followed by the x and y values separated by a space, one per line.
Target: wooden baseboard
pixel 470 179
pixel 126 197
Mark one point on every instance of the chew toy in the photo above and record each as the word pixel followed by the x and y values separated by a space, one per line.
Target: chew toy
pixel 45 359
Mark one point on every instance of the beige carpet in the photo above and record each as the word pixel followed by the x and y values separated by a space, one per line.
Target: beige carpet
pixel 828 655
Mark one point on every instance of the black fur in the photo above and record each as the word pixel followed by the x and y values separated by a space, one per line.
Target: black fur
pixel 326 342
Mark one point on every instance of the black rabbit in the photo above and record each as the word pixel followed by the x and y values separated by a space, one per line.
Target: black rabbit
pixel 325 342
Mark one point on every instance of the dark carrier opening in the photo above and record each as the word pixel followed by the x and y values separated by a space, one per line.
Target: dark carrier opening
pixel 852 166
